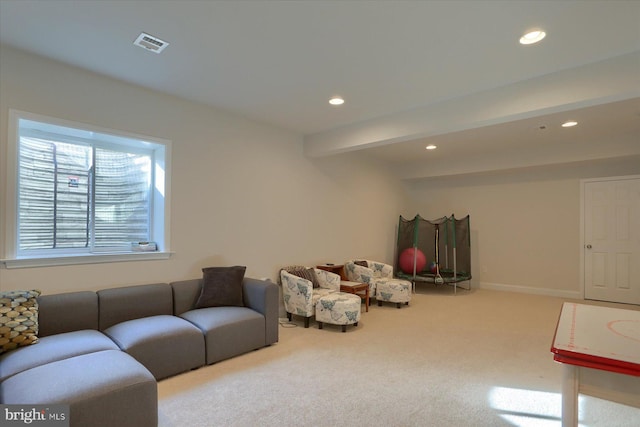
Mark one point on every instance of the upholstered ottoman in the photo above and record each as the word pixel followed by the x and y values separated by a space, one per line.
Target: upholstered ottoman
pixel 338 308
pixel 394 290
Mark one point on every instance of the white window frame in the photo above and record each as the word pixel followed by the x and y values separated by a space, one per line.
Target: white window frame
pixel 161 218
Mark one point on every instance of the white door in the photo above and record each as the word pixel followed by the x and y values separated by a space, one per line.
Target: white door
pixel 612 240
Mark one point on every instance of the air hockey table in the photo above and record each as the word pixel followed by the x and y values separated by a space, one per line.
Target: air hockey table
pixel 599 348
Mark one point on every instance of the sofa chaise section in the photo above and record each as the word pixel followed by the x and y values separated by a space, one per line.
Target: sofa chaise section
pixel 140 320
pixel 105 388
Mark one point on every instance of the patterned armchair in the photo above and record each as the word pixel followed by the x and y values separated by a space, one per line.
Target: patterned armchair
pixel 301 294
pixel 371 272
pixel 381 282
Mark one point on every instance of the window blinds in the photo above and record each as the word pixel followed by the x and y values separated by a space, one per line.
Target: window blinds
pixel 77 195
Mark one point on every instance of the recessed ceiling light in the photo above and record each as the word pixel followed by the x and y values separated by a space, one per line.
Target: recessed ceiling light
pixel 431 147
pixel 336 100
pixel 569 124
pixel 533 36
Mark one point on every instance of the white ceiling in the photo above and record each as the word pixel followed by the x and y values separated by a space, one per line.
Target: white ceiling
pixel 450 73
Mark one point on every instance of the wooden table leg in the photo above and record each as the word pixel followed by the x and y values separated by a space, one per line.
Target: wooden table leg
pixel 366 299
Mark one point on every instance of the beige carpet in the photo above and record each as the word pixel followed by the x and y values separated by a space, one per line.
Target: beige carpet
pixel 480 358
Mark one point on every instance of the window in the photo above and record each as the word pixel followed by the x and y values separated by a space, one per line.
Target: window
pixel 84 192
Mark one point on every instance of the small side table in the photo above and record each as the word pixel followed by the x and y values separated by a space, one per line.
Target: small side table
pixel 334 268
pixel 357 288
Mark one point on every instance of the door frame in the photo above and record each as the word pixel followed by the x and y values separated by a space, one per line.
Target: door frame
pixel 583 183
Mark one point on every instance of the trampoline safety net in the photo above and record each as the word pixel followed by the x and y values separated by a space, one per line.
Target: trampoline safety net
pixel 436 251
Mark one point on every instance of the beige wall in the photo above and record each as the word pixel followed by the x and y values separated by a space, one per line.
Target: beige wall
pixel 242 192
pixel 525 225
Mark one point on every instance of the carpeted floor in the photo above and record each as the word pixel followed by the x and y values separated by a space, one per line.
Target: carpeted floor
pixel 481 358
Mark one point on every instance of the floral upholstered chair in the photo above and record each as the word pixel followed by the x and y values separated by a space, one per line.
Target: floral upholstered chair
pixel 382 285
pixel 302 287
pixel 370 272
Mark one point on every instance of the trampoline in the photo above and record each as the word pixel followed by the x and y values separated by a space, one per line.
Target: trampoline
pixel 434 251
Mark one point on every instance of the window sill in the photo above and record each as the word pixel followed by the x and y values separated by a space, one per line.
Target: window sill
pixel 83 259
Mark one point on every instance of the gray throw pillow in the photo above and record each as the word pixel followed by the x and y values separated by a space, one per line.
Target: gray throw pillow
pixel 222 286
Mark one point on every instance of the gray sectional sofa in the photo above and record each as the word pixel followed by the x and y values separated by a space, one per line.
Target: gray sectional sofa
pixel 102 352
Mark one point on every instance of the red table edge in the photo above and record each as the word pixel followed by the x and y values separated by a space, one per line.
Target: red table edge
pixel 595 362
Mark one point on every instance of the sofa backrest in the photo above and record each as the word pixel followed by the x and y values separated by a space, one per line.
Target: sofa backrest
pixel 133 302
pixel 67 312
pixel 185 295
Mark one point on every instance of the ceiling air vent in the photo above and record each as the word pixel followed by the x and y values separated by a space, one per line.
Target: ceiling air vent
pixel 151 43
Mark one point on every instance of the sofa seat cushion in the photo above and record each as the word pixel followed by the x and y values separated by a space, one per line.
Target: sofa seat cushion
pixel 106 388
pixel 52 349
pixel 166 345
pixel 229 331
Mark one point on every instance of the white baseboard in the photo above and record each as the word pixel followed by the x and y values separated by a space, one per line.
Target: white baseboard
pixel 529 290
